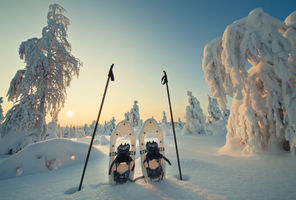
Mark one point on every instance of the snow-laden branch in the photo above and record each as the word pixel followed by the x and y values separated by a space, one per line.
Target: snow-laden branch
pixel 264 97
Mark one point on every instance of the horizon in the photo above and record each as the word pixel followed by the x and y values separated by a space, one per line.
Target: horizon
pixel 141 38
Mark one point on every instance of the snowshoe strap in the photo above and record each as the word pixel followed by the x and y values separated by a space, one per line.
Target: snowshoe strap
pixel 162 156
pixel 138 178
pixel 111 166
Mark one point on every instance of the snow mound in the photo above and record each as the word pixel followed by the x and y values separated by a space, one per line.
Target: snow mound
pixel 46 156
pixel 104 140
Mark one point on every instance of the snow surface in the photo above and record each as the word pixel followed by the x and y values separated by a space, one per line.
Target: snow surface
pixel 45 156
pixel 207 174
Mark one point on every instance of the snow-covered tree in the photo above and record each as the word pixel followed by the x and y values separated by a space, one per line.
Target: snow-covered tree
pixel 195 122
pixel 72 132
pixel 86 130
pixel 213 111
pixel 180 124
pixel 164 120
pixel 127 116
pixel 112 124
pixel 40 88
pixel 109 126
pixel 1 110
pixel 66 132
pixel 263 110
pixel 134 115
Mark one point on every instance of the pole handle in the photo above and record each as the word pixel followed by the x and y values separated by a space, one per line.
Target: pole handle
pixel 110 74
pixel 164 79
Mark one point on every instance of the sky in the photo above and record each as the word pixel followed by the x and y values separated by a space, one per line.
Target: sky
pixel 142 38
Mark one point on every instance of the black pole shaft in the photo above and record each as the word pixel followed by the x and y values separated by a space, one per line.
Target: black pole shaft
pixel 94 133
pixel 173 125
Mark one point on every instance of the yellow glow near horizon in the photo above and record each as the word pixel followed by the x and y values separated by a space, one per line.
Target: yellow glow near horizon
pixel 70 114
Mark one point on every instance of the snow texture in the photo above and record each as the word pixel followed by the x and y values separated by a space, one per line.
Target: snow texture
pixel 104 140
pixel 45 156
pixel 195 122
pixel 206 175
pixel 40 88
pixel 263 110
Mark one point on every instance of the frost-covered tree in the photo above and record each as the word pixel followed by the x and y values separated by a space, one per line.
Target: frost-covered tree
pixel 112 124
pixel 135 115
pixel 263 110
pixel 164 120
pixel 213 111
pixel 127 116
pixel 109 126
pixel 180 124
pixel 1 110
pixel 66 132
pixel 40 88
pixel 195 122
pixel 72 132
pixel 86 130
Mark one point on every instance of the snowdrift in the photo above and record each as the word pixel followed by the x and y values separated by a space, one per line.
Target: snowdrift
pixel 46 156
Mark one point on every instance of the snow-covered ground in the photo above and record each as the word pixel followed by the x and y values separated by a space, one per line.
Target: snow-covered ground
pixel 207 174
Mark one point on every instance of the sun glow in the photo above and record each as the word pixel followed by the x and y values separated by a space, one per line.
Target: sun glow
pixel 70 114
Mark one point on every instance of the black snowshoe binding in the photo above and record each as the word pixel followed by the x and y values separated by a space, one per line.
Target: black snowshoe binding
pixel 153 160
pixel 122 163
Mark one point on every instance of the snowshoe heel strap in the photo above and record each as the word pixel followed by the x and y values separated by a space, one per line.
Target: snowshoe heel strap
pixel 165 158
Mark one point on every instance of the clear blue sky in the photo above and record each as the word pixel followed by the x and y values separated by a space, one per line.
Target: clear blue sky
pixel 140 37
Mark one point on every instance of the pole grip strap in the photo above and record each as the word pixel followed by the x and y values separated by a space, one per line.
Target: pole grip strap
pixel 164 79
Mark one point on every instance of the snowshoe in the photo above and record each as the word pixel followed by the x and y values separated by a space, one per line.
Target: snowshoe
pixel 152 152
pixel 122 160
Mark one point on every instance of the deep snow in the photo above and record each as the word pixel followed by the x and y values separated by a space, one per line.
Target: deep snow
pixel 207 174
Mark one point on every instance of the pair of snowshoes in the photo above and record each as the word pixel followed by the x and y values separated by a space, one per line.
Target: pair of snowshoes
pixel 122 158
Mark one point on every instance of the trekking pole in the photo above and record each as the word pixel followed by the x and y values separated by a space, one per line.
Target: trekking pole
pixel 164 80
pixel 110 76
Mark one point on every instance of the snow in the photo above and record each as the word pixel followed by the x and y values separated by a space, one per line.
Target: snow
pixel 39 89
pixel 195 122
pixel 262 115
pixel 45 156
pixel 207 173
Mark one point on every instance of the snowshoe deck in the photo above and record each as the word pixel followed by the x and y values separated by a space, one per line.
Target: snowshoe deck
pixel 117 170
pixel 152 169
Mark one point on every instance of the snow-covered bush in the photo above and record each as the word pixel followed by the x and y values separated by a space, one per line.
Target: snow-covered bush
pixel 104 140
pixel 213 111
pixel 195 122
pixel 52 130
pixel 134 115
pixel 40 88
pixel 263 110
